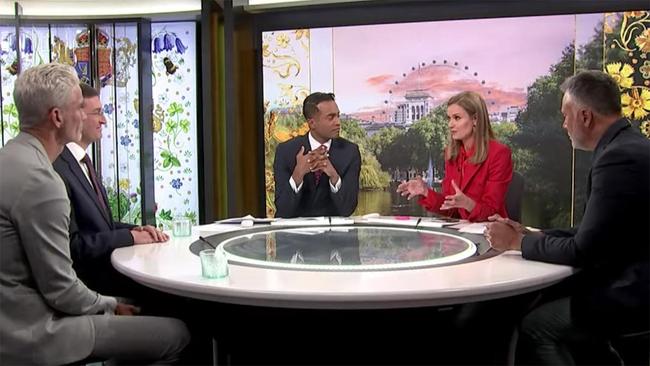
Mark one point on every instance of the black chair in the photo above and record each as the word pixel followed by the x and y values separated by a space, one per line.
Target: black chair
pixel 514 196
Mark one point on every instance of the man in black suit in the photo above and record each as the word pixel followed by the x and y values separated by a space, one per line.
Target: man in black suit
pixel 610 295
pixel 317 174
pixel 93 233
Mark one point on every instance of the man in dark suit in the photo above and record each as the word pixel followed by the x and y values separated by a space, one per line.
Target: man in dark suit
pixel 317 174
pixel 610 245
pixel 93 233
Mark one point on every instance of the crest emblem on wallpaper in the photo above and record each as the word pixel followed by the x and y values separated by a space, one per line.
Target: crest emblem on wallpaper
pixel 104 58
pixel 82 54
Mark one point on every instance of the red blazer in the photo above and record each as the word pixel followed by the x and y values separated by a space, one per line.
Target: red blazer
pixel 486 183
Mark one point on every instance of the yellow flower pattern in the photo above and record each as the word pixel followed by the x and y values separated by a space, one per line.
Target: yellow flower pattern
pixel 282 40
pixel 301 33
pixel 124 184
pixel 627 40
pixel 621 73
pixel 636 104
pixel 643 41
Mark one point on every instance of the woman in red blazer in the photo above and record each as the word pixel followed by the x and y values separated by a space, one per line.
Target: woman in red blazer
pixel 478 169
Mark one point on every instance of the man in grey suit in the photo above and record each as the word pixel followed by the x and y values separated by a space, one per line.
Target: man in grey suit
pixel 47 315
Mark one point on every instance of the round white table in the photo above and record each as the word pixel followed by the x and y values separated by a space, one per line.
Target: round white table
pixel 172 268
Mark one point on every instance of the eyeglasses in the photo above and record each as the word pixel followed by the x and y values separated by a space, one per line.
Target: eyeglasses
pixel 98 114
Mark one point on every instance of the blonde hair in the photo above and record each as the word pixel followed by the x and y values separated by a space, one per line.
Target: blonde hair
pixel 475 106
pixel 40 88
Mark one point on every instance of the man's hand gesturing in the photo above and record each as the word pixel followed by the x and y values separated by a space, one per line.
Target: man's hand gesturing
pixel 302 165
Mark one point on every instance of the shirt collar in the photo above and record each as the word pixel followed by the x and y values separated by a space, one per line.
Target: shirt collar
pixel 77 151
pixel 315 144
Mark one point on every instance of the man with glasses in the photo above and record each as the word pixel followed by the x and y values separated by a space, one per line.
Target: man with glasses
pixel 93 233
pixel 317 174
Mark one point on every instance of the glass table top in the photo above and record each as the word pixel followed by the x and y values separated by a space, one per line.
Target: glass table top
pixel 347 248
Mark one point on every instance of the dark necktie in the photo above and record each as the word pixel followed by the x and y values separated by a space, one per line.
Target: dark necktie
pixel 318 173
pixel 93 178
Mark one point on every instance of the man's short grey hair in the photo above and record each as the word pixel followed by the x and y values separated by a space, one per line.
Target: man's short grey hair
pixel 41 88
pixel 595 90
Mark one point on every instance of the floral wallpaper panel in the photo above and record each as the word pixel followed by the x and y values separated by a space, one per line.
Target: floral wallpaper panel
pixel 627 44
pixel 286 74
pixel 175 121
pixel 34 51
pixel 120 144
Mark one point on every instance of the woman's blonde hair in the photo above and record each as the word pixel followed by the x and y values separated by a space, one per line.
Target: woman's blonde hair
pixel 475 106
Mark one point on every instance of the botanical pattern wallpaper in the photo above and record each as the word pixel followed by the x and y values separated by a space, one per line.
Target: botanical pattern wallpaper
pixel 120 143
pixel 35 50
pixel 175 121
pixel 286 62
pixel 174 117
pixel 627 44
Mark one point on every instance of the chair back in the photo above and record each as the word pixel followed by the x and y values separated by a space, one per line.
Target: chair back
pixel 514 196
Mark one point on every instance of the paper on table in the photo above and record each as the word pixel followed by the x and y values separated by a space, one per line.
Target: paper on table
pixel 409 221
pixel 239 220
pixel 473 228
pixel 313 221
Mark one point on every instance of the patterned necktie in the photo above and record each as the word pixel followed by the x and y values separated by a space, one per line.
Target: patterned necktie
pixel 93 178
pixel 318 173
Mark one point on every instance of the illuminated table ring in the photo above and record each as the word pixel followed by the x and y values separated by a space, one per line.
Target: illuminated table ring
pixel 359 247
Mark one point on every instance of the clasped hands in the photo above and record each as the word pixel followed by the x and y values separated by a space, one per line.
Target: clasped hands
pixel 416 187
pixel 148 234
pixel 312 161
pixel 504 234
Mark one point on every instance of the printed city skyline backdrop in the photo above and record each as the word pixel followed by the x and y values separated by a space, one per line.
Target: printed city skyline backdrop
pixel 392 81
pixel 374 69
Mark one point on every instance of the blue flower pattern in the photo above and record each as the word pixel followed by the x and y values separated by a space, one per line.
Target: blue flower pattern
pixel 125 140
pixel 176 183
pixel 166 41
pixel 26 43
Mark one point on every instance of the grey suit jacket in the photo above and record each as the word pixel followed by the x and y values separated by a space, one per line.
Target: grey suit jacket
pixel 42 302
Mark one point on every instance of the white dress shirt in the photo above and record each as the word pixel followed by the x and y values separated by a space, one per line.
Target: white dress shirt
pixel 315 145
pixel 78 152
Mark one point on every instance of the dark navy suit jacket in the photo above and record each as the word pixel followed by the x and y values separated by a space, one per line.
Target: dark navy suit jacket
pixel 318 200
pixel 612 243
pixel 93 233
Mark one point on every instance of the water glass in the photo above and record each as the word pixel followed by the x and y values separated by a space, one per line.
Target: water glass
pixel 214 263
pixel 181 227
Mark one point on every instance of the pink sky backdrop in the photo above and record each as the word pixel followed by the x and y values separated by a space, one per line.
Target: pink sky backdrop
pixel 508 53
